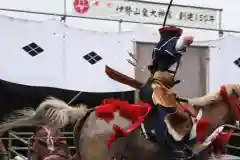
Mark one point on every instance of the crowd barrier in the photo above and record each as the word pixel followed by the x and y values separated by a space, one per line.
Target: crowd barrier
pixel 23 137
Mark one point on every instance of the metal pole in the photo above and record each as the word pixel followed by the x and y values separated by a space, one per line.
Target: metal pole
pixel 64 57
pixel 64 11
pixel 220 32
pixel 19 138
pixel 65 7
pixel 120 26
pixel 120 31
pixel 9 145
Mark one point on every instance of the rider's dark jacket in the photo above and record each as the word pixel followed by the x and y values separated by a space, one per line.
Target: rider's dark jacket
pixel 164 55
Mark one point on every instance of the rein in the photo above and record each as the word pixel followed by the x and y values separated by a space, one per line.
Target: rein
pixel 220 139
pixel 234 107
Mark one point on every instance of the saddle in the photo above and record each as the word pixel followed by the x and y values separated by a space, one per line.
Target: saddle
pixel 178 123
pixel 165 78
pixel 161 83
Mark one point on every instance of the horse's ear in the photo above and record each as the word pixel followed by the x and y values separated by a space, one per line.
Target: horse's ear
pixel 176 82
pixel 235 93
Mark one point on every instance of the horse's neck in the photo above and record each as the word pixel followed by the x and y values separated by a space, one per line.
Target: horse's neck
pixel 222 110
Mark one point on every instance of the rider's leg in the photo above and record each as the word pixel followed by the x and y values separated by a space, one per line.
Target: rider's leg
pixel 160 126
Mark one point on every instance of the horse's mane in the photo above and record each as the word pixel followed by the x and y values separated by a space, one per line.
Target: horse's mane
pixel 54 103
pixel 215 96
pixel 51 111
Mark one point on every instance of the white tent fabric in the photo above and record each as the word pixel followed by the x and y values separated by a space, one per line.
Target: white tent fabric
pixel 61 64
pixel 18 66
pixel 222 69
pixel 112 47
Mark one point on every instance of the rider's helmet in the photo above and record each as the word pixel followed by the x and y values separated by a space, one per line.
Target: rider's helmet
pixel 169 32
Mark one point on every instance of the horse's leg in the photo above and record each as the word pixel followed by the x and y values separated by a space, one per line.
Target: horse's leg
pixel 91 145
pixel 139 148
pixel 76 135
pixel 75 157
pixel 204 155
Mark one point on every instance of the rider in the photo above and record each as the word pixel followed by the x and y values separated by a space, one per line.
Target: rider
pixel 169 49
pixel 167 52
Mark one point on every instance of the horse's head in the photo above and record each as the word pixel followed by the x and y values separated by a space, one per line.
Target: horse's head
pixel 220 107
pixel 217 109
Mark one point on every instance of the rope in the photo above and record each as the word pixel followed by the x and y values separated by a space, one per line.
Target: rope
pixel 74 98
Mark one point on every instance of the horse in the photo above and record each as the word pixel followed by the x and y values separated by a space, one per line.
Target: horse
pixel 49 117
pixel 88 131
pixel 175 130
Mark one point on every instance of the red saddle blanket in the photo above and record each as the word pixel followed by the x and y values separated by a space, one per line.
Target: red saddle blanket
pixel 136 113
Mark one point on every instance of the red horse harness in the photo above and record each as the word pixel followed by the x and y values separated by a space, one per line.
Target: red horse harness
pixel 203 125
pixel 136 113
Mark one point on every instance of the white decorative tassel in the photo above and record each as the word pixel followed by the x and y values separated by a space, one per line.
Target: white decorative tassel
pixel 195 121
pixel 213 136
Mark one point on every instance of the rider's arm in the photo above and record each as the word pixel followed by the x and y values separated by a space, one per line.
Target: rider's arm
pixel 183 42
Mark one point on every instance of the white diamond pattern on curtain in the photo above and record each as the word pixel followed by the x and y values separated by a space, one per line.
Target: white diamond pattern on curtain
pixel 75 61
pixel 33 55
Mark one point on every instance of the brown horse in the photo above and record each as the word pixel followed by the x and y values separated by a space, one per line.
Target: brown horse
pixel 217 108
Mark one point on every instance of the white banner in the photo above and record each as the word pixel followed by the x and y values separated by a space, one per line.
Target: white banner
pixel 51 54
pixel 224 64
pixel 147 12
